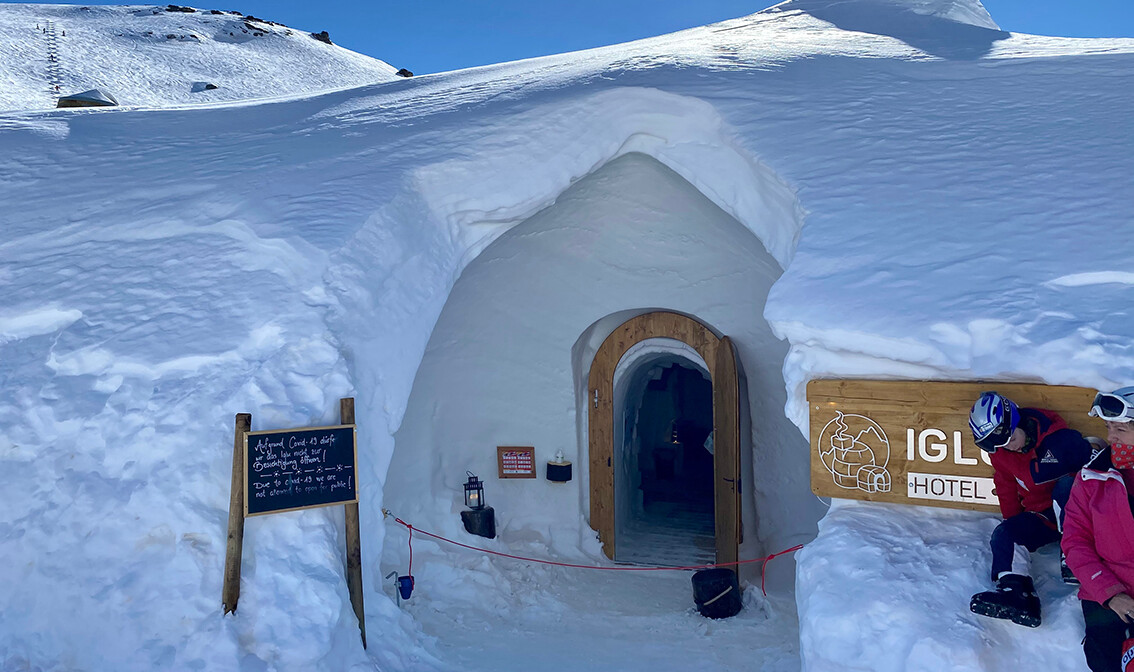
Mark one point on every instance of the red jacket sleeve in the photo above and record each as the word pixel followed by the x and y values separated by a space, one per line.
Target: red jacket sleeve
pixel 1008 493
pixel 1097 582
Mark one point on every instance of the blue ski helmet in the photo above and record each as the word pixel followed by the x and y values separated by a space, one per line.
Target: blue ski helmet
pixel 992 420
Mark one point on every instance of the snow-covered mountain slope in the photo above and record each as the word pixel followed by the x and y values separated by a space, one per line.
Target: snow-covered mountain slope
pixel 894 12
pixel 945 201
pixel 147 55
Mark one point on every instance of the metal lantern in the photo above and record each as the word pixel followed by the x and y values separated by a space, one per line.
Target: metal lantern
pixel 474 492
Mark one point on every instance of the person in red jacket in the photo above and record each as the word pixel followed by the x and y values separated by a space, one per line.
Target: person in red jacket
pixel 1098 535
pixel 1034 457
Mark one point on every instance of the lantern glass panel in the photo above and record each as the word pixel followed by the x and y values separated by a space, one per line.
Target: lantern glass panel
pixel 474 493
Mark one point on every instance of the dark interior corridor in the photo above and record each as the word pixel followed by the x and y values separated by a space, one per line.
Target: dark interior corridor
pixel 671 518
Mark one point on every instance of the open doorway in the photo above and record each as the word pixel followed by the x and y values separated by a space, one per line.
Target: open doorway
pixel 668 516
pixel 629 447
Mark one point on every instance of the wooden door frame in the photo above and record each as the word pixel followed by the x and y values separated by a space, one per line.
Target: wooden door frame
pixel 600 405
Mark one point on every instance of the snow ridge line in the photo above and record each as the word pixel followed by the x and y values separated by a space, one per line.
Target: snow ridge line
pixel 54 74
pixel 763 568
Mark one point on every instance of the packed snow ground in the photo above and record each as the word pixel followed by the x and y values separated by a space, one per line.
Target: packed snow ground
pixel 478 612
pixel 942 197
pixel 886 587
pixel 144 55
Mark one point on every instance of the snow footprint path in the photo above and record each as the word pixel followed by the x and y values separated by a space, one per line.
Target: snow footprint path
pixel 54 73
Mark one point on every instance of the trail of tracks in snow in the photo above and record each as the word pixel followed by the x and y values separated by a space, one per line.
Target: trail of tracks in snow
pixel 54 73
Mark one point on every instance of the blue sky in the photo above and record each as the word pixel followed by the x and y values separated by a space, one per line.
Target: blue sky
pixel 439 35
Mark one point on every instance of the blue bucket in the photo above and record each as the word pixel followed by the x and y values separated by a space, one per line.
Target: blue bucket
pixel 405 586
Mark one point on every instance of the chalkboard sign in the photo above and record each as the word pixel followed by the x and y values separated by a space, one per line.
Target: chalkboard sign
pixel 289 469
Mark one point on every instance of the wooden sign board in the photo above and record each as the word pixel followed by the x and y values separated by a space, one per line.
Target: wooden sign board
pixel 515 461
pixel 291 469
pixel 908 442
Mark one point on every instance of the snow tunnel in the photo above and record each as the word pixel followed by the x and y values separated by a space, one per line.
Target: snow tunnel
pixel 510 361
pixel 663 423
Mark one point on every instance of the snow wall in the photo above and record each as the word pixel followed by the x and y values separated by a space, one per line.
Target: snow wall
pixel 272 258
pixel 507 363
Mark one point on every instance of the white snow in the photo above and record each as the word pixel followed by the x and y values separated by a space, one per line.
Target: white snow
pixel 144 55
pixel 887 587
pixel 888 14
pixel 1094 278
pixel 511 617
pixel 944 200
pixel 35 322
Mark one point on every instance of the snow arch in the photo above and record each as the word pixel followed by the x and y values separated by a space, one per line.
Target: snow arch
pixel 653 351
pixel 507 359
pixel 519 164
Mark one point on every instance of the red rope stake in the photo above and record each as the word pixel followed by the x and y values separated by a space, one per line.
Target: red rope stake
pixel 764 560
pixel 410 528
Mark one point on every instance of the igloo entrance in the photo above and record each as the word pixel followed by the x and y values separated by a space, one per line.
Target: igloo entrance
pixel 642 492
pixel 667 426
pixel 508 361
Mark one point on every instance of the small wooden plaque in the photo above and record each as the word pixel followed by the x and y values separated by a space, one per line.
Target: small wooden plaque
pixel 515 461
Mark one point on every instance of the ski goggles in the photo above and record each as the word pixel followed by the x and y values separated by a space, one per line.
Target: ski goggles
pixel 1117 406
pixel 996 439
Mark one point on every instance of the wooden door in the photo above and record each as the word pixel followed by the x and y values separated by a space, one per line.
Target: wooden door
pixel 726 452
pixel 726 422
pixel 600 427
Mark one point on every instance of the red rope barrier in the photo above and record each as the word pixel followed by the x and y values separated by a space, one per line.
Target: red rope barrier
pixel 763 567
pixel 410 528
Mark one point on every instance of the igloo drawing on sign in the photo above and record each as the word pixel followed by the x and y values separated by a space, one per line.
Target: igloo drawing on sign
pixel 855 450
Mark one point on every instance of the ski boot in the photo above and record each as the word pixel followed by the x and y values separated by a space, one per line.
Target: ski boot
pixel 1014 599
pixel 1064 571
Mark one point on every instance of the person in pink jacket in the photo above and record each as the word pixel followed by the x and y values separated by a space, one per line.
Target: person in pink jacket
pixel 1098 535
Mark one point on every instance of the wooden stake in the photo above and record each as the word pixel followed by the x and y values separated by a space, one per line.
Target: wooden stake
pixel 353 539
pixel 232 556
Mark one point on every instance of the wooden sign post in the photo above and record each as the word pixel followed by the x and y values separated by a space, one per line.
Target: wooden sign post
pixel 235 548
pixel 290 470
pixel 908 442
pixel 353 539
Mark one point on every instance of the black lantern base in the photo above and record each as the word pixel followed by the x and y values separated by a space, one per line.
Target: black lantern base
pixel 481 522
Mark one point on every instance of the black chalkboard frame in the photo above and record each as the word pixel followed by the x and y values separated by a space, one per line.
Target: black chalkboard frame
pixel 296 430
